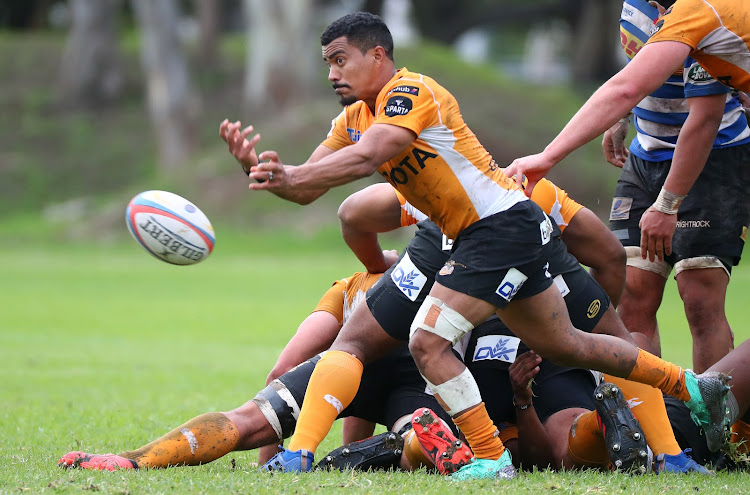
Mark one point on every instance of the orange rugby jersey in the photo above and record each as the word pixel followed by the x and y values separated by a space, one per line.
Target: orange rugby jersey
pixel 341 299
pixel 554 201
pixel 445 172
pixel 718 31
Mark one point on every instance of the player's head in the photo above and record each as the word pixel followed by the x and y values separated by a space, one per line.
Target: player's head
pixel 359 51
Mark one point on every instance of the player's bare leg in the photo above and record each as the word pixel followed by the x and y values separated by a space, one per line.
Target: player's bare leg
pixel 542 322
pixel 640 301
pixel 443 319
pixel 203 439
pixel 703 292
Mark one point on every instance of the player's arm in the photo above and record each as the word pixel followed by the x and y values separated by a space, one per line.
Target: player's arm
pixel 534 444
pixel 376 146
pixel 363 215
pixel 613 100
pixel 694 144
pixel 315 334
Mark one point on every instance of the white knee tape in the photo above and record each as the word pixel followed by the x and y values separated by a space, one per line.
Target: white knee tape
pixel 698 263
pixel 457 394
pixel 656 266
pixel 435 316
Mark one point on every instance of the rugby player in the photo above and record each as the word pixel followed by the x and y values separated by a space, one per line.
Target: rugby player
pixel 367 211
pixel 716 34
pixel 392 389
pixel 409 128
pixel 707 242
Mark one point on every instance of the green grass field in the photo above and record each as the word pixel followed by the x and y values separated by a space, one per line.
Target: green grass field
pixel 105 348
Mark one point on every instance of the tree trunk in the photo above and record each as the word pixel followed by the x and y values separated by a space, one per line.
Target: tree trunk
pixel 281 51
pixel 91 73
pixel 172 103
pixel 209 13
pixel 596 41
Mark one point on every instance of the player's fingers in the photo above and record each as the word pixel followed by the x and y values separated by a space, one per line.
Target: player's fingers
pixel 667 246
pixel 245 132
pixel 223 129
pixel 270 156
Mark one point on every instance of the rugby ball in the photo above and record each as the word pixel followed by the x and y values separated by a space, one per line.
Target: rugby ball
pixel 170 227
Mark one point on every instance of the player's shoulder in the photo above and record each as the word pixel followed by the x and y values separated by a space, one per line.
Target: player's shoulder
pixel 412 84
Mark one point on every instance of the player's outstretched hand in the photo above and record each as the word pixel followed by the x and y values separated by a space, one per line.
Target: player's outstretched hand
pixel 532 167
pixel 522 372
pixel 240 147
pixel 270 173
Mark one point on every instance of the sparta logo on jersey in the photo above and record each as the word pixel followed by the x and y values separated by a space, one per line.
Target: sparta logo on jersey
pixel 397 105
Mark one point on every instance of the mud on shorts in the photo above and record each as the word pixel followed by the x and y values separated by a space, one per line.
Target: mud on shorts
pixel 503 256
pixel 712 219
pixel 491 350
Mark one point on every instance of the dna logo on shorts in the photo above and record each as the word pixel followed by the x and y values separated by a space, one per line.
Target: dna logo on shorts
pixel 496 347
pixel 510 285
pixel 408 278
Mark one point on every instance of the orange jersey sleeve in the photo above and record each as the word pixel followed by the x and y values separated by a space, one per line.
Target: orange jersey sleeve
pixel 345 294
pixel 555 202
pixel 718 31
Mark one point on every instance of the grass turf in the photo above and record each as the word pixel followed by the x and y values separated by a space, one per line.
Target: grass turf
pixel 104 348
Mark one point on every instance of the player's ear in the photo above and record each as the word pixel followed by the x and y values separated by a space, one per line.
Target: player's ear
pixel 378 53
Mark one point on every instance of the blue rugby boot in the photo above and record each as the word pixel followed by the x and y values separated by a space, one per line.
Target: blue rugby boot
pixel 295 461
pixel 680 463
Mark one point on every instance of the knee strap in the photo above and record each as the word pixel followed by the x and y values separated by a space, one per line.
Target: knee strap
pixel 437 317
pixel 634 259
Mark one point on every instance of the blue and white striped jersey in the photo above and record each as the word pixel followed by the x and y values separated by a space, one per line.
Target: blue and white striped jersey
pixel 660 116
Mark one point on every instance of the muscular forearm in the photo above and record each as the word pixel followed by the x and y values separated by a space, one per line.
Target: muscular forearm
pixel 693 147
pixel 344 166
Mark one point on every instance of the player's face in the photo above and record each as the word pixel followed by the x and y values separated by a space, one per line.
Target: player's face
pixel 350 71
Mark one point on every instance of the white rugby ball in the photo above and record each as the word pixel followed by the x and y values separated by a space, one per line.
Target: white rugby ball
pixel 170 227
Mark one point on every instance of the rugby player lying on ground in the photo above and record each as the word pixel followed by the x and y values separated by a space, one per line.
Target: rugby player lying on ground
pixel 392 389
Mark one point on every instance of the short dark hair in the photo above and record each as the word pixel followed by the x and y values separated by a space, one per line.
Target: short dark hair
pixel 362 30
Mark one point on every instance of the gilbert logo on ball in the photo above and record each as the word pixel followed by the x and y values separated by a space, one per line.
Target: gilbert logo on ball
pixel 170 227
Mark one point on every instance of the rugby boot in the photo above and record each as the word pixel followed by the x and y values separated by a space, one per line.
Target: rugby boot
pixel 680 463
pixel 479 469
pixel 438 443
pixel 104 462
pixel 290 461
pixel 623 436
pixel 379 452
pixel 708 405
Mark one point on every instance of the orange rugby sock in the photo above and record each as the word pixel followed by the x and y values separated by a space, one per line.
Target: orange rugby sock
pixel 741 435
pixel 586 443
pixel 667 377
pixel 202 439
pixel 647 405
pixel 414 453
pixel 332 387
pixel 480 432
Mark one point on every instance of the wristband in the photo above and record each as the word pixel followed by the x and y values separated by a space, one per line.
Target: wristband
pixel 522 407
pixel 668 202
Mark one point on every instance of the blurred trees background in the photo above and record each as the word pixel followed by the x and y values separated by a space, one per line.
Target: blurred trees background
pixel 185 73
